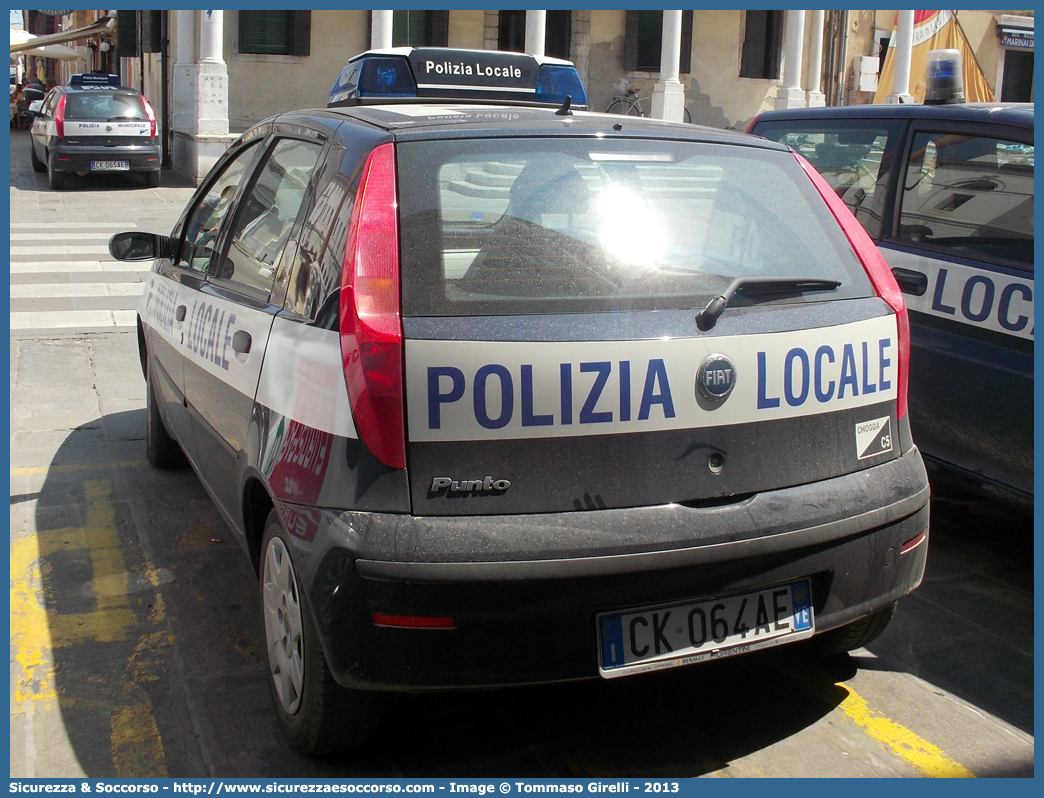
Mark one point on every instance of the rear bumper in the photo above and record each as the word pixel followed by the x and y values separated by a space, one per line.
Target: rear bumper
pixel 69 158
pixel 524 590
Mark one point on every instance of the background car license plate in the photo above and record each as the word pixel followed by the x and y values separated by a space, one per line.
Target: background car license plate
pixel 664 637
pixel 110 166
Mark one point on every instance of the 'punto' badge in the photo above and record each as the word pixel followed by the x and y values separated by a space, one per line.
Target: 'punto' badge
pixel 715 378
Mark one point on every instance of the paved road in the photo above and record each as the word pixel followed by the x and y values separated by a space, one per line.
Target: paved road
pixel 137 648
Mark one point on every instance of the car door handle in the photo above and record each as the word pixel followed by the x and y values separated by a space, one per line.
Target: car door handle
pixel 241 342
pixel 911 282
pixel 179 313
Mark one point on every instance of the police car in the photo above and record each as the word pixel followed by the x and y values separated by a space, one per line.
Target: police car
pixel 946 191
pixel 500 392
pixel 94 125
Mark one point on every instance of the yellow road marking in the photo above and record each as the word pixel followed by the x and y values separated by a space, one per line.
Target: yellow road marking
pixel 72 468
pixel 30 630
pixel 36 631
pixel 929 759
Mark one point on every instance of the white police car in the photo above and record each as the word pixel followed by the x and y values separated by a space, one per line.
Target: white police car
pixel 499 393
pixel 94 125
pixel 946 191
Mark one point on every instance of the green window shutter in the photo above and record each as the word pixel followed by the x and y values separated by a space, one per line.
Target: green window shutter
pixel 440 28
pixel 126 34
pixel 264 32
pixel 300 33
pixel 650 40
pixel 630 54
pixel 685 61
pixel 411 28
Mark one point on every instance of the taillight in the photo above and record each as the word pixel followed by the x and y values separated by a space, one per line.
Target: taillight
pixel 59 118
pixel 371 325
pixel 152 118
pixel 877 269
pixel 750 127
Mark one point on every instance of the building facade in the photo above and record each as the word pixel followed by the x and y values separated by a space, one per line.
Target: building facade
pixel 215 73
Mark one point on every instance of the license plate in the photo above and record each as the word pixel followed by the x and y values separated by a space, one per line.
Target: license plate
pixel 681 634
pixel 110 166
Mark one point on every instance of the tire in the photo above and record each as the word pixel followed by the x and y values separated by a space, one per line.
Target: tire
pixel 625 107
pixel 688 117
pixel 152 179
pixel 38 165
pixel 854 635
pixel 317 714
pixel 161 450
pixel 55 179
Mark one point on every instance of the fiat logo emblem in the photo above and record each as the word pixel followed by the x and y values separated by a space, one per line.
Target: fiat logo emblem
pixel 715 378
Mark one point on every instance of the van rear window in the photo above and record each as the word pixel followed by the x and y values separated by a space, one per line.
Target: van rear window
pixel 565 225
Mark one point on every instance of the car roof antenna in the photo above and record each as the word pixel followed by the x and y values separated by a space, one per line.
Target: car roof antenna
pixel 564 110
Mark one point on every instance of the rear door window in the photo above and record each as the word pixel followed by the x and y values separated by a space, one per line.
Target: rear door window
pixel 517 226
pixel 104 106
pixel 264 218
pixel 854 157
pixel 969 196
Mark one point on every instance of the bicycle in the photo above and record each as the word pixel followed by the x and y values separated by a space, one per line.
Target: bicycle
pixel 630 104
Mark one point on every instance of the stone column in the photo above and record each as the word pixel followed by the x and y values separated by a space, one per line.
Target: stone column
pixel 790 94
pixel 381 33
pixel 903 53
pixel 536 26
pixel 816 98
pixel 200 107
pixel 213 75
pixel 183 76
pixel 668 99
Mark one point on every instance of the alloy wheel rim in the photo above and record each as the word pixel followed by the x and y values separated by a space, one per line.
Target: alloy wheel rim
pixel 281 604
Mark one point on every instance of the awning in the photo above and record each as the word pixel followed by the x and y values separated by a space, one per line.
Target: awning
pixel 103 25
pixel 57 51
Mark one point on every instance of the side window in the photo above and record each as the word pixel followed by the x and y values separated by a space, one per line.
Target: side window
pixel 971 196
pixel 319 259
pixel 265 216
pixel 854 157
pixel 204 221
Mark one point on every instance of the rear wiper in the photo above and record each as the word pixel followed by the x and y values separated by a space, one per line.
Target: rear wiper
pixel 753 286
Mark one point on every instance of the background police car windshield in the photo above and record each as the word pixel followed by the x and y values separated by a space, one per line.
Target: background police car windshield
pixel 104 106
pixel 511 226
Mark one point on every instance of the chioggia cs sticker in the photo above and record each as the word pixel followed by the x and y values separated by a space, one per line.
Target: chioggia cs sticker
pixel 873 437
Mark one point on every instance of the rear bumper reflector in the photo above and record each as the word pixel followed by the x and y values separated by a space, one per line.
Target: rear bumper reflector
pixel 414 621
pixel 913 543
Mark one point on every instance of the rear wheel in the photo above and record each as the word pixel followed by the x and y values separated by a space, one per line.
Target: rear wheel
pixel 152 179
pixel 38 165
pixel 626 107
pixel 161 450
pixel 55 179
pixel 854 635
pixel 317 714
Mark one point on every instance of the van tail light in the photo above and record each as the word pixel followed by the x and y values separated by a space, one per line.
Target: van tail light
pixel 877 269
pixel 152 118
pixel 59 118
pixel 371 323
pixel 750 127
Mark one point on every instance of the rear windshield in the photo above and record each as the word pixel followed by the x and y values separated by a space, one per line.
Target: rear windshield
pixel 557 225
pixel 104 106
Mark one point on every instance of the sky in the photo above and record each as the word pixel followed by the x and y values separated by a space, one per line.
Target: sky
pixel 16 18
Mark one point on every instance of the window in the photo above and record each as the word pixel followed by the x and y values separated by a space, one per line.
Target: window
pixel 762 44
pixel 853 157
pixel 588 227
pixel 970 196
pixel 558 32
pixel 420 28
pixel 275 32
pixel 265 217
pixel 643 37
pixel 204 221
